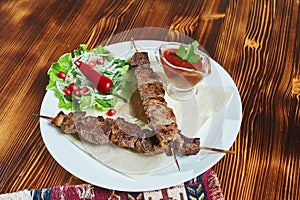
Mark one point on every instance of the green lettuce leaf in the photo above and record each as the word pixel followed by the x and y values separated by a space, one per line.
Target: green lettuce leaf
pixel 63 64
pixel 63 102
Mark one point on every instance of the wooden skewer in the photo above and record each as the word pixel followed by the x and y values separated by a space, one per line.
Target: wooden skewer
pixel 175 158
pixel 43 116
pixel 133 44
pixel 217 150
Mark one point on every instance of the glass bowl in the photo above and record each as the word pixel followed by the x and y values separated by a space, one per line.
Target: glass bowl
pixel 183 76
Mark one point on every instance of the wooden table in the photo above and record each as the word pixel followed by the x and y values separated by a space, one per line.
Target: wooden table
pixel 257 43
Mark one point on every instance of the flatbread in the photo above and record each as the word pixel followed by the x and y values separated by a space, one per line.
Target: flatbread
pixel 190 115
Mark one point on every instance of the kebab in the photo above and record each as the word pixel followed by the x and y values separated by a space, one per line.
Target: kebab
pixel 160 117
pixel 100 131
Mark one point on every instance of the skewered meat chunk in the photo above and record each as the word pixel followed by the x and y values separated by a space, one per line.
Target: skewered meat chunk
pixel 147 142
pixel 129 128
pixel 140 58
pixel 184 146
pixel 87 130
pixel 162 121
pixel 91 129
pixel 145 75
pixel 152 91
pixel 66 122
pixel 128 133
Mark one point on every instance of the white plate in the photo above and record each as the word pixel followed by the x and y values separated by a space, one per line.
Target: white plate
pixel 220 131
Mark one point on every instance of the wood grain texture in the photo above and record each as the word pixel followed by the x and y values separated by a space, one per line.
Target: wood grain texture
pixel 257 43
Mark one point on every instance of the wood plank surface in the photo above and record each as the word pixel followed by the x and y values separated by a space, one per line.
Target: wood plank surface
pixel 257 43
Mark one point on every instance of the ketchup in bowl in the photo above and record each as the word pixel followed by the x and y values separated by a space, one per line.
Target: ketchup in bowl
pixel 179 77
pixel 181 73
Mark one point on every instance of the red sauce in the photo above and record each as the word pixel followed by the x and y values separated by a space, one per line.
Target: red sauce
pixel 180 78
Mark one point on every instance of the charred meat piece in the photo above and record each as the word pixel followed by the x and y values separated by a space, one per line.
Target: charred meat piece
pixel 152 91
pixel 162 120
pixel 59 119
pixel 127 141
pixel 145 142
pixel 159 114
pixel 66 122
pixel 114 128
pixel 184 146
pixel 92 130
pixel 140 58
pixel 129 128
pixel 145 75
pixel 105 125
pixel 128 133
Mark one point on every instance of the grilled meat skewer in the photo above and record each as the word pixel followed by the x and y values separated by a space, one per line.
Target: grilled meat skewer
pixel 99 131
pixel 160 117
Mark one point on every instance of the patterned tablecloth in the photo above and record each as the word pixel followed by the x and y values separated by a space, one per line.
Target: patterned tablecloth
pixel 203 187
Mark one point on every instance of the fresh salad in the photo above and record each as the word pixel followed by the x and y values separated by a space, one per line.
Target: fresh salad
pixel 90 78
